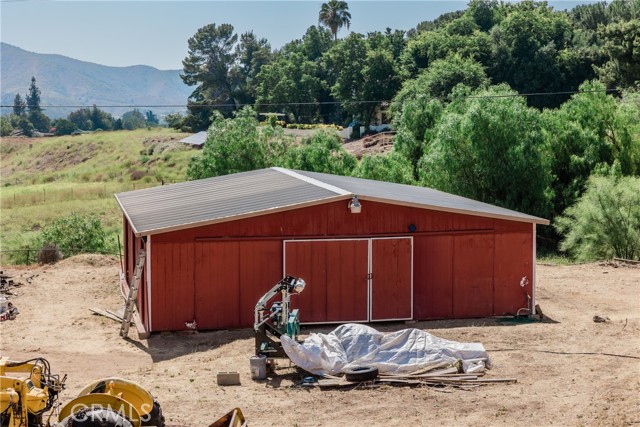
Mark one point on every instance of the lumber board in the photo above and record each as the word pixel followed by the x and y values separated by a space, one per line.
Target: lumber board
pixel 105 313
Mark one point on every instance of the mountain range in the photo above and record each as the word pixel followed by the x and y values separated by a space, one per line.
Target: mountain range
pixel 65 81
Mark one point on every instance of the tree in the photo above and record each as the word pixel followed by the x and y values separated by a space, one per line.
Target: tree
pixel 92 119
pixel 321 152
pixel 252 53
pixel 605 222
pixel 151 119
pixel 40 121
pixel 174 120
pixel 442 76
pixel 461 36
pixel 25 126
pixel 415 127
pixel 133 119
pixel 587 132
pixel 64 127
pixel 528 48
pixel 19 106
pixel 290 84
pixel 237 145
pixel 335 15
pixel 5 126
pixel 622 46
pixel 391 167
pixel 490 149
pixel 208 66
pixel 365 74
pixel 33 97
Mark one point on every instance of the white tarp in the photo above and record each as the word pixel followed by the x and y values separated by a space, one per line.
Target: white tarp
pixel 406 351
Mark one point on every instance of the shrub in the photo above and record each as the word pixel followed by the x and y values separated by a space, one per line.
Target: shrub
pixel 49 254
pixel 605 221
pixel 75 234
pixel 322 152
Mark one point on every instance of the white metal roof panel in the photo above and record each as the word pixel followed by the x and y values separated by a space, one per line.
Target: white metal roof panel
pixel 196 139
pixel 211 200
pixel 424 197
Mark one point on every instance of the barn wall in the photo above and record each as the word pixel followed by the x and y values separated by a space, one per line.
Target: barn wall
pixel 464 265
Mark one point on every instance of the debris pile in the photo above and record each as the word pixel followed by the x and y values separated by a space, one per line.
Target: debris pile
pixel 7 310
pixel 446 378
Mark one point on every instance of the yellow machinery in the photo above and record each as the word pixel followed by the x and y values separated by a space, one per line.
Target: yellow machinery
pixel 27 391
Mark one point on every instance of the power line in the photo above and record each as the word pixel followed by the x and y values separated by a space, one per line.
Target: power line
pixel 281 104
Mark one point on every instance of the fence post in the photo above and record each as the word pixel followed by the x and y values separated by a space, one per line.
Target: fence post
pixel 28 256
pixel 44 195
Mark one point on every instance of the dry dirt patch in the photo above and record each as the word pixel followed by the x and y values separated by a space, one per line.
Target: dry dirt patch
pixel 558 384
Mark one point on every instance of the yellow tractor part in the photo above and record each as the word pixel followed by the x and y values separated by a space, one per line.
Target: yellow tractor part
pixel 100 401
pixel 27 391
pixel 233 418
pixel 127 390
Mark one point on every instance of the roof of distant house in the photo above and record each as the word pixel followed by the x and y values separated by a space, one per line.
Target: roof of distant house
pixel 196 139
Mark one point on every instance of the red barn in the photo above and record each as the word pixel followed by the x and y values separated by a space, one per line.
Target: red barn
pixel 214 246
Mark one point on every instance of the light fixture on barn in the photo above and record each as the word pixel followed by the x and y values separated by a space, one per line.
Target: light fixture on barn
pixel 354 205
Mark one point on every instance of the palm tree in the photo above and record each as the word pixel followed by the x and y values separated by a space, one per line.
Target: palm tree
pixel 335 15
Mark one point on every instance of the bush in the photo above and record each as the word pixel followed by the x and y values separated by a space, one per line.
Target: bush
pixel 605 221
pixel 75 234
pixel 49 254
pixel 322 152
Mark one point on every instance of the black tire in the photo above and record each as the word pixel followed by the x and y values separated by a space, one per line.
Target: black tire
pixel 98 417
pixel 155 417
pixel 358 374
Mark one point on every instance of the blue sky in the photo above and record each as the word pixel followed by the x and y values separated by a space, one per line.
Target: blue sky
pixel 122 33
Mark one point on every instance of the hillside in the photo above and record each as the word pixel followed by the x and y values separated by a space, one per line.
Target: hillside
pixel 44 179
pixel 67 81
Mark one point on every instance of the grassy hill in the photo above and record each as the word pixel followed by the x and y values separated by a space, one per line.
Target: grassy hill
pixel 67 81
pixel 43 179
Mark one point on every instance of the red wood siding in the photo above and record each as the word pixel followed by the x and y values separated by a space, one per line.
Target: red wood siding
pixel 336 277
pixel 391 279
pixel 231 276
pixel 464 266
pixel 513 261
pixel 173 286
pixel 473 275
pixel 433 277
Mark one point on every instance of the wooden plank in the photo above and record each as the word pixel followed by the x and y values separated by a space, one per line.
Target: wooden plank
pixel 143 334
pixel 105 314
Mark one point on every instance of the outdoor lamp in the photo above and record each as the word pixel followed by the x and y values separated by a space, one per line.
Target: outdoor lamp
pixel 354 205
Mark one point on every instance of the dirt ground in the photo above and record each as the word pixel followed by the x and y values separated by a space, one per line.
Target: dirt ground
pixel 570 370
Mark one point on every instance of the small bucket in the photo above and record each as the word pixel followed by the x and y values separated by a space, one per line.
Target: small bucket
pixel 258 367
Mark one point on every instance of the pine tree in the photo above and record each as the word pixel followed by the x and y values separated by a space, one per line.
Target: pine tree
pixel 33 97
pixel 19 105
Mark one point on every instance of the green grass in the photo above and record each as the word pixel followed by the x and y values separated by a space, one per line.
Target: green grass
pixel 48 178
pixel 555 259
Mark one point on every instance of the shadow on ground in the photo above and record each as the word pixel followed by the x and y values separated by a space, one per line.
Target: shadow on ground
pixel 169 345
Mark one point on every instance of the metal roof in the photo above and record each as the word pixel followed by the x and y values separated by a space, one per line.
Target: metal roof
pixel 219 199
pixel 421 197
pixel 196 139
pixel 264 191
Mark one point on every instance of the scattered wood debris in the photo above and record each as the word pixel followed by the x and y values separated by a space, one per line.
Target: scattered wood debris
pixel 450 377
pixel 601 319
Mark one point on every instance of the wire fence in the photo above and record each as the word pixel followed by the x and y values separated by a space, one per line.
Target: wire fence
pixel 31 256
pixel 91 191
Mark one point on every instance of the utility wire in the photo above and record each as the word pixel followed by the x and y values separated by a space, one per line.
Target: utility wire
pixel 280 104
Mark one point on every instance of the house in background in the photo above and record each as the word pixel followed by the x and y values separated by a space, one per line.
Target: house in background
pixel 368 250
